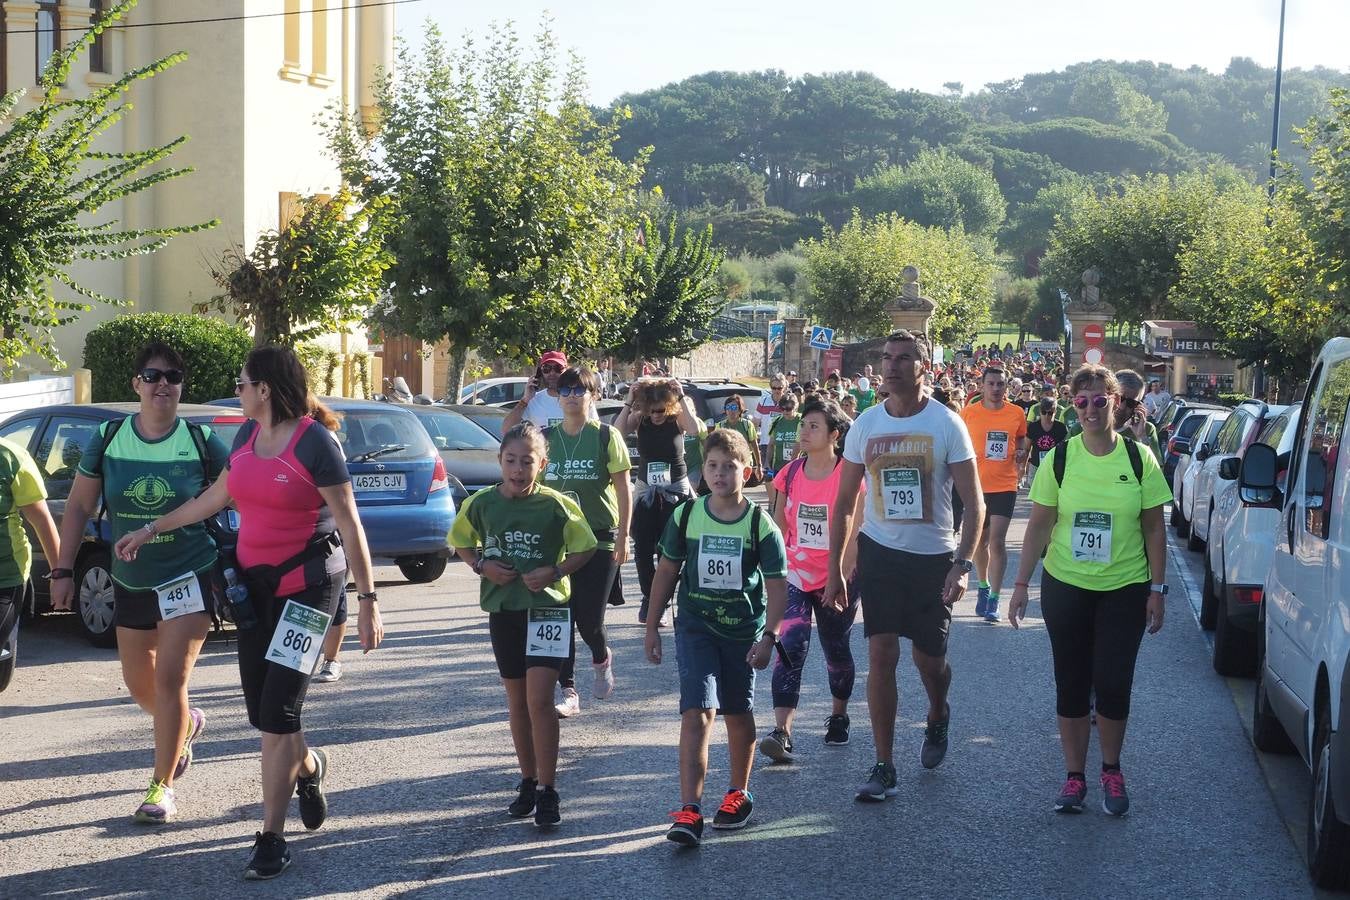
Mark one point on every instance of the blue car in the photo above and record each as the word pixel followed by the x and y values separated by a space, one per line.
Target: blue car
pixel 403 492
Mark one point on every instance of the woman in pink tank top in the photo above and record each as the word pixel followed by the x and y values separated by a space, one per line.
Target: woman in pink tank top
pixel 807 487
pixel 298 534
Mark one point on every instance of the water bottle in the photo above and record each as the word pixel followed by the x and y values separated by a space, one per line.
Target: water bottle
pixel 236 592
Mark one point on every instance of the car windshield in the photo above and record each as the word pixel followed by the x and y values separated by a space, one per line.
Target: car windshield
pixel 468 389
pixel 715 398
pixel 451 431
pixel 369 434
pixel 489 419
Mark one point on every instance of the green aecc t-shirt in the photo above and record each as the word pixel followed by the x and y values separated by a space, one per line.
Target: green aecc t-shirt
pixel 580 468
pixel 539 529
pixel 20 485
pixel 1098 541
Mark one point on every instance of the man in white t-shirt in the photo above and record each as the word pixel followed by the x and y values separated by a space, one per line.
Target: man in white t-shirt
pixel 911 449
pixel 767 408
pixel 542 407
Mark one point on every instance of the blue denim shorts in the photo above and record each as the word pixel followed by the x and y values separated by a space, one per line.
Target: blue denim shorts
pixel 713 670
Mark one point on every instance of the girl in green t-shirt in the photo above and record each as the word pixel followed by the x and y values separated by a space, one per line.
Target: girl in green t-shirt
pixel 782 442
pixel 524 540
pixel 736 421
pixel 588 462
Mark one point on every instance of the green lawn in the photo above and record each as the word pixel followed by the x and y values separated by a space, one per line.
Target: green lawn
pixel 991 333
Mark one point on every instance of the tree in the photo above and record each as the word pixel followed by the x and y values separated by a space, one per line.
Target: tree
pixel 55 190
pixel 937 188
pixel 730 185
pixel 509 211
pixel 1107 96
pixel 322 272
pixel 1014 298
pixel 671 285
pixel 1028 230
pixel 854 272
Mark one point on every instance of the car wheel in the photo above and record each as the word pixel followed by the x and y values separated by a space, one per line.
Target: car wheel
pixel 1182 526
pixel 11 654
pixel 94 598
pixel 1268 735
pixel 1234 648
pixel 1328 836
pixel 422 569
pixel 1209 606
pixel 1193 543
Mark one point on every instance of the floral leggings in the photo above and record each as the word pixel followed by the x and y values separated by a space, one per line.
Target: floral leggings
pixel 834 630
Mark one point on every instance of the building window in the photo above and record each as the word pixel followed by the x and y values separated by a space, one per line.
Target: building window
pixel 291 48
pixel 98 51
pixel 320 25
pixel 48 33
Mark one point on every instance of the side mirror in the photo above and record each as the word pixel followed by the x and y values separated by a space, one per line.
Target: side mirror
pixel 1229 468
pixel 1204 453
pixel 1181 447
pixel 1256 478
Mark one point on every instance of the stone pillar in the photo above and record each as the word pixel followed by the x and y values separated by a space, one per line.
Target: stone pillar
pixel 911 312
pixel 797 354
pixel 1087 310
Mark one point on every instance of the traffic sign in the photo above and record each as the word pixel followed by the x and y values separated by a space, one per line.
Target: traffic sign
pixel 1093 356
pixel 1093 334
pixel 821 337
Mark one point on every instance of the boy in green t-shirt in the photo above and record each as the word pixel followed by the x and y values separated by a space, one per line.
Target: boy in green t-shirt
pixel 531 538
pixel 726 556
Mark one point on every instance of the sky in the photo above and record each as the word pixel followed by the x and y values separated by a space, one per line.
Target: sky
pixel 632 45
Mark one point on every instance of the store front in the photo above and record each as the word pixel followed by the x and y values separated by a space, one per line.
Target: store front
pixel 1190 362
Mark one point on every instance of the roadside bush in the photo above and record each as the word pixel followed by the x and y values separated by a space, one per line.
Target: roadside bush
pixel 214 351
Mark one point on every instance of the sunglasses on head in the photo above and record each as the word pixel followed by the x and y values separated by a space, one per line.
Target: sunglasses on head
pixel 152 375
pixel 1098 400
pixel 575 390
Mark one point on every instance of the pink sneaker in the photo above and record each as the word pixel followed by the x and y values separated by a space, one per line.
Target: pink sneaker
pixel 1115 802
pixel 1071 796
pixel 604 677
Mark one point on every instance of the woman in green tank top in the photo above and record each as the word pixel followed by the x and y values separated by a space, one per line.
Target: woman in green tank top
pixel 145 466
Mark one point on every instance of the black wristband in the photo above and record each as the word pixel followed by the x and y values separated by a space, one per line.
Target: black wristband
pixel 59 574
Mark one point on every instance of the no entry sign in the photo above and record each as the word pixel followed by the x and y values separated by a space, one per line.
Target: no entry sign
pixel 1094 334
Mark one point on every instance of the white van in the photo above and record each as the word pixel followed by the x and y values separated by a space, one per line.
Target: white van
pixel 1303 682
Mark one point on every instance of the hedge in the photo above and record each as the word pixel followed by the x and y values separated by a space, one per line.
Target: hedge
pixel 214 351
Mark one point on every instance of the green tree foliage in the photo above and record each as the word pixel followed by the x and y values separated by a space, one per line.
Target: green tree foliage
pixel 1026 234
pixel 761 232
pixel 508 207
pixel 323 272
pixel 1107 96
pixel 855 271
pixel 55 190
pixel 1087 146
pixel 725 185
pixel 214 351
pixel 672 287
pixel 935 188
pixel 1046 316
pixel 1134 237
pixel 1014 299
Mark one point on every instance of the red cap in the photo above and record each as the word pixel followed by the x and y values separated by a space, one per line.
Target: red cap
pixel 554 356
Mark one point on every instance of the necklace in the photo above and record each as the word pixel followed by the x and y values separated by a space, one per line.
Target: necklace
pixel 569 455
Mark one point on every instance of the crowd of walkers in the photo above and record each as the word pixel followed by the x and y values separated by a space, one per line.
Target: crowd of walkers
pixel 885 491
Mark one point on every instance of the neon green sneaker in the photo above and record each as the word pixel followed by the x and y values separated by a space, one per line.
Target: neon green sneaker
pixel 158 806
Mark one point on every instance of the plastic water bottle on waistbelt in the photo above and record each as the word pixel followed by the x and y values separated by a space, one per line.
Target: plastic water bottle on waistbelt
pixel 236 592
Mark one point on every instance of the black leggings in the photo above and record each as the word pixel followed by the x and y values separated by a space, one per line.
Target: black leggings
pixel 590 596
pixel 1095 637
pixel 273 693
pixel 649 521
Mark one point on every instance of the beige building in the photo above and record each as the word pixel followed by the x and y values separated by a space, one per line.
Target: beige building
pixel 255 81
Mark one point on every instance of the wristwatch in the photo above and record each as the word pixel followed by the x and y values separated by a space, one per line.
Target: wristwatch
pixel 964 565
pixel 372 597
pixel 558 573
pixel 58 574
pixel 1158 589
pixel 771 635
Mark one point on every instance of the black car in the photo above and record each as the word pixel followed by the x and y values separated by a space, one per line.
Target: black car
pixel 55 436
pixel 488 418
pixel 467 449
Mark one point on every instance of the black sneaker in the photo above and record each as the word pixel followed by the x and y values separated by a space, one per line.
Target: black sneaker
pixel 313 804
pixel 546 813
pixel 777 746
pixel 880 784
pixel 836 730
pixel 688 828
pixel 734 811
pixel 935 742
pixel 523 805
pixel 270 857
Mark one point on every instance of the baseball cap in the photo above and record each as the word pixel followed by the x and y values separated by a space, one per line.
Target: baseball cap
pixel 554 356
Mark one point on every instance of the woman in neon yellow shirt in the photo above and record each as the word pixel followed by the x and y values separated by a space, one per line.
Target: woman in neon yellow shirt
pixel 1097 502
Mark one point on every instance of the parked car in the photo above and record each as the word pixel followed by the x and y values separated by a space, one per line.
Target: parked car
pixel 494 390
pixel 468 452
pixel 1241 428
pixel 1181 443
pixel 55 436
pixel 1211 422
pixel 1241 541
pixel 1302 700
pixel 488 418
pixel 709 394
pixel 401 484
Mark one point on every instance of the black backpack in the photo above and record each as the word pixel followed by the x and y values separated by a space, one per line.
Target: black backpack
pixel 1059 456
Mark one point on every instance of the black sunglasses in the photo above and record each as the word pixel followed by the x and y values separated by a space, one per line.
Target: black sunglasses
pixel 152 376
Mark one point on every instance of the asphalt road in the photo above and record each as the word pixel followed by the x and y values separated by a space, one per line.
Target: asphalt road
pixel 422 770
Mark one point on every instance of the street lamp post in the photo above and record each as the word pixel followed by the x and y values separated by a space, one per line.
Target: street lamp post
pixel 1259 381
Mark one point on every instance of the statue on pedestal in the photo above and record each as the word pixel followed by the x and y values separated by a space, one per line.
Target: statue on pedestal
pixel 1090 299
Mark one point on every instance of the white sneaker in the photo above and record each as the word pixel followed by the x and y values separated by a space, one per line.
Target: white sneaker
pixel 604 677
pixel 665 620
pixel 570 705
pixel 329 670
